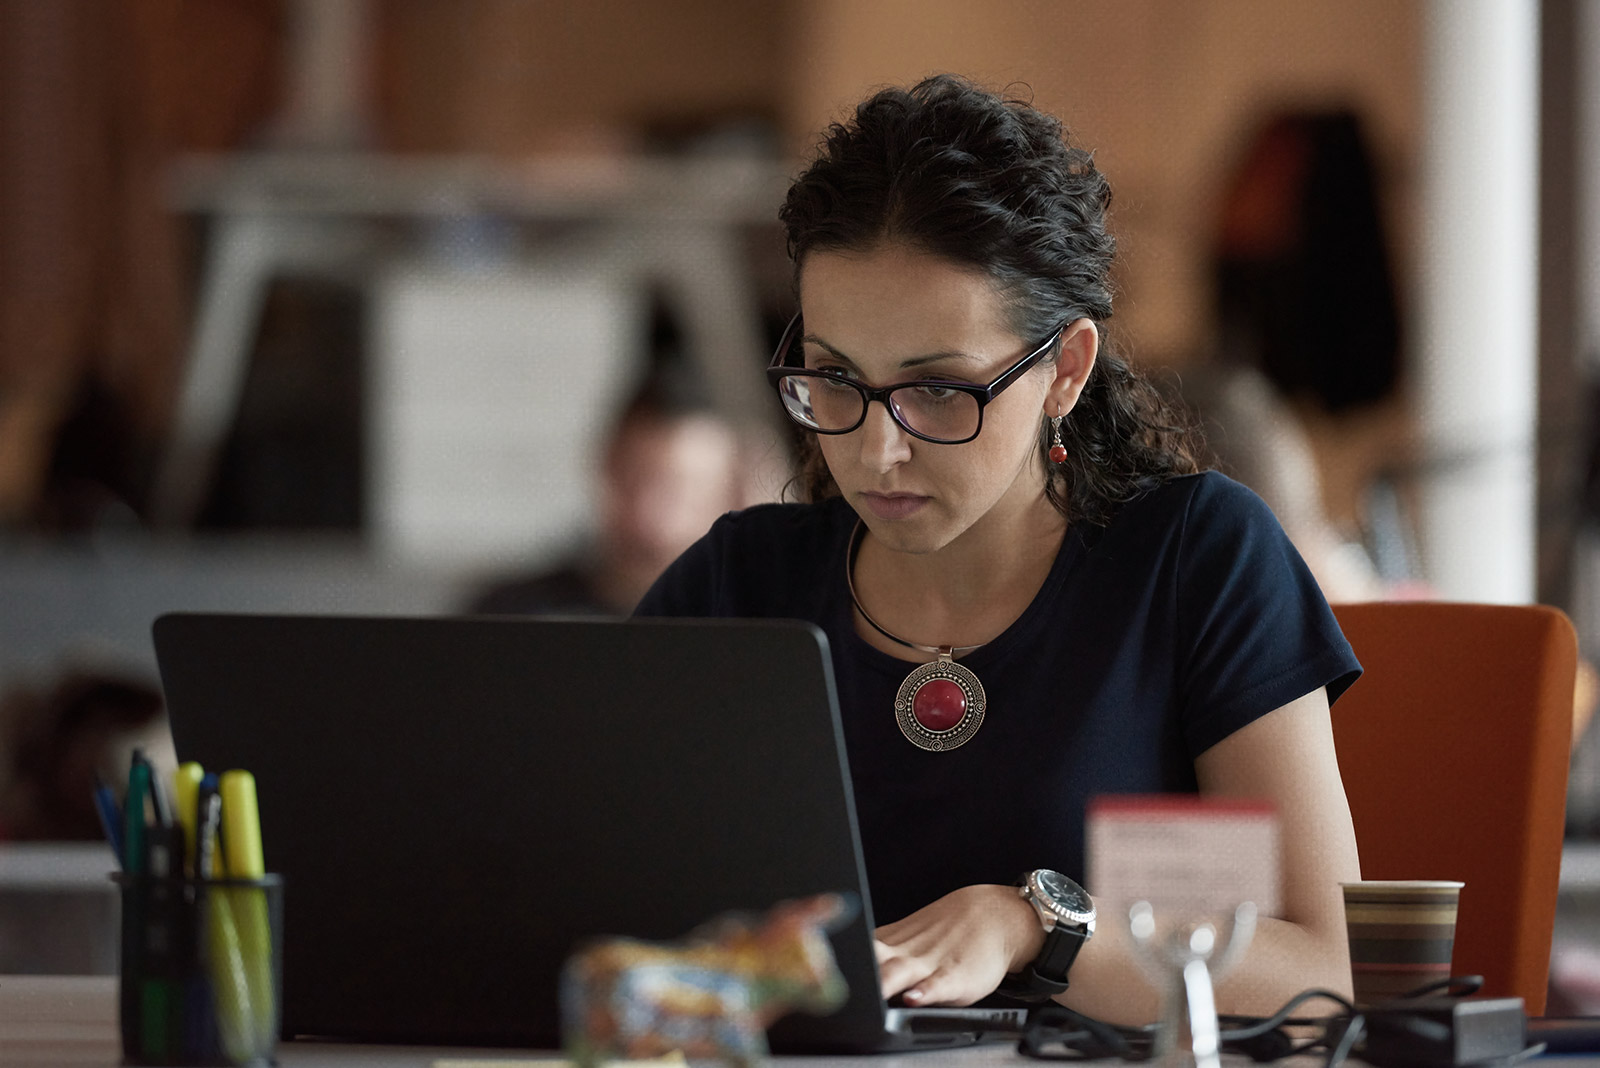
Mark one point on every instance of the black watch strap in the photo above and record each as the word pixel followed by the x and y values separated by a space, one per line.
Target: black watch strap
pixel 1046 975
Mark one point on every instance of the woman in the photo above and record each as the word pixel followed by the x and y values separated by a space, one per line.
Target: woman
pixel 993 493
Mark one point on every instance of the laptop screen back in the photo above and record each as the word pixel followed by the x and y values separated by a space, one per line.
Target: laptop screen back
pixel 455 803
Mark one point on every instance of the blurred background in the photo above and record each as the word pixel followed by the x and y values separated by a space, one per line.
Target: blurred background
pixel 361 305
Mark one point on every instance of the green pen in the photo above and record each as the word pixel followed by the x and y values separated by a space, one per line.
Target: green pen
pixel 160 999
pixel 133 818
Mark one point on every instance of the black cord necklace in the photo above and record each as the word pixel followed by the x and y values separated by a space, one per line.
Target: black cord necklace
pixel 940 706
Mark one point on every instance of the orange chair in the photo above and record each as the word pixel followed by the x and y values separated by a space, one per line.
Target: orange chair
pixel 1454 748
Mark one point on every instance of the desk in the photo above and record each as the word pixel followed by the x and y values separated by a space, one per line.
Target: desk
pixel 72 1020
pixel 50 1021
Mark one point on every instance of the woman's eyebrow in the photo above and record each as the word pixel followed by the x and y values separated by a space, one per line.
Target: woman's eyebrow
pixel 955 355
pixel 812 339
pixel 951 355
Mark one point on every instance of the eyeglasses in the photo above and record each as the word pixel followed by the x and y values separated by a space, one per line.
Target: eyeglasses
pixel 945 413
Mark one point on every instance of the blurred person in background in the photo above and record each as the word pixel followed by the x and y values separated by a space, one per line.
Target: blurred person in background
pixel 54 741
pixel 1309 343
pixel 1309 332
pixel 671 466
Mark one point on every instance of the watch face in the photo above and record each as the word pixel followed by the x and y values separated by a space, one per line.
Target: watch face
pixel 1065 894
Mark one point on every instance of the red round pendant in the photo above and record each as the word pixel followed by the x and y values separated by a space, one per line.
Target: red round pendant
pixel 1058 454
pixel 939 704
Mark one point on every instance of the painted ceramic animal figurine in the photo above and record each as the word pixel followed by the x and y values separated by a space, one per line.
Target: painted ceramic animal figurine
pixel 712 995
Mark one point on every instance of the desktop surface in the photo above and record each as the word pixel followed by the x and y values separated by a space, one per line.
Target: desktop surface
pixel 50 1021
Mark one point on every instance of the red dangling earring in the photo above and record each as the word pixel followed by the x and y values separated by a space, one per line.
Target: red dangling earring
pixel 1058 451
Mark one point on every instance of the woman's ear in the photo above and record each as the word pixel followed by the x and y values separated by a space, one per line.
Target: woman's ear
pixel 1080 344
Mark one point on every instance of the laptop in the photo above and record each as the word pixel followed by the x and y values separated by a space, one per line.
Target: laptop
pixel 455 803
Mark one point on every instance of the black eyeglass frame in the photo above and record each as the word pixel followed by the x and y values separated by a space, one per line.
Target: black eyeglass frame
pixel 777 371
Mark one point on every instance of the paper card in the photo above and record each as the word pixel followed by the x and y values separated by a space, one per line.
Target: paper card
pixel 1186 855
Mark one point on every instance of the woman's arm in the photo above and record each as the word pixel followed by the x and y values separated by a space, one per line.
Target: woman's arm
pixel 1287 757
pixel 957 949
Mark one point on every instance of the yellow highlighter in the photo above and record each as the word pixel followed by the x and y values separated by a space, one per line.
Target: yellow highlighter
pixel 186 792
pixel 229 988
pixel 241 849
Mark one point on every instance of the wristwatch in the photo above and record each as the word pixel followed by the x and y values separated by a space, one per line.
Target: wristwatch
pixel 1067 913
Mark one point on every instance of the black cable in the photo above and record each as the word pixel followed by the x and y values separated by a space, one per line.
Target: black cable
pixel 1264 1039
pixel 1245 1027
pixel 1354 1030
pixel 1082 1037
pixel 1055 1032
pixel 1457 986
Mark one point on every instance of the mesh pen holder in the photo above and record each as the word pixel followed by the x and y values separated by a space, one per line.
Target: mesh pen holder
pixel 201 978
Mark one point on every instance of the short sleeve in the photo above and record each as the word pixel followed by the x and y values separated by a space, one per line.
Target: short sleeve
pixel 1254 630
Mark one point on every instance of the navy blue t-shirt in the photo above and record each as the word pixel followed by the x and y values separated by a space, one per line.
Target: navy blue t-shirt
pixel 1153 638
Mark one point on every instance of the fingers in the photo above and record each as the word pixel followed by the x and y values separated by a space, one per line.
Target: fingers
pixel 898 970
pixel 921 980
pixel 942 987
pixel 953 951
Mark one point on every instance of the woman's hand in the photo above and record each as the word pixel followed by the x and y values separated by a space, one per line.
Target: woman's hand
pixel 959 948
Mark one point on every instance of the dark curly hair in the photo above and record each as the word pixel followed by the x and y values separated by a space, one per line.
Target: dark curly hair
pixel 993 183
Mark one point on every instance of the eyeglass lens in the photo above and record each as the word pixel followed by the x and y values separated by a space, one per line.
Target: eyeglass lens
pixel 836 404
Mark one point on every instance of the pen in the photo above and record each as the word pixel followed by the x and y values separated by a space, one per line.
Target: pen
pixel 241 826
pixel 198 1034
pixel 159 804
pixel 133 850
pixel 208 825
pixel 110 813
pixel 185 792
pixel 160 872
pixel 164 942
pixel 241 845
